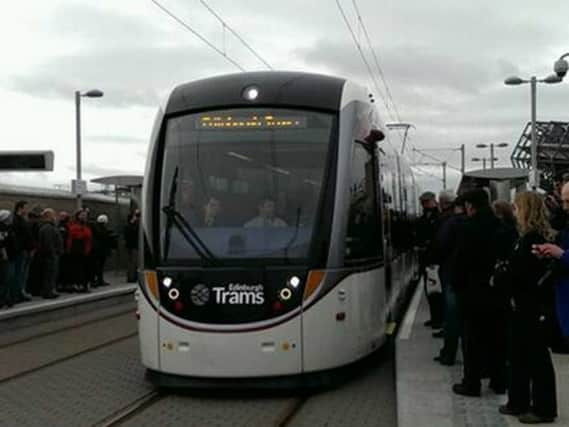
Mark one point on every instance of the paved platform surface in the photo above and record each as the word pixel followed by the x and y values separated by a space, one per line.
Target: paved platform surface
pixel 118 286
pixel 424 393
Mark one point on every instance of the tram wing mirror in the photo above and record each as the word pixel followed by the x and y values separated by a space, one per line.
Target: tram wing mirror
pixel 374 136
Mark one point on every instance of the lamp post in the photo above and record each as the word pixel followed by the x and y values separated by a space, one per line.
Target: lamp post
pixel 93 93
pixel 553 78
pixel 492 146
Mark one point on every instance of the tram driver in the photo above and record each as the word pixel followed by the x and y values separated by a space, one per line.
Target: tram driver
pixel 266 217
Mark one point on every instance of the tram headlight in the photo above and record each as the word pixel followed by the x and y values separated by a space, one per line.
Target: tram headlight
pixel 251 93
pixel 294 281
pixel 167 281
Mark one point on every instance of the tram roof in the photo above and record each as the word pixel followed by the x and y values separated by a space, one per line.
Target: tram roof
pixel 283 88
pixel 498 174
pixel 120 180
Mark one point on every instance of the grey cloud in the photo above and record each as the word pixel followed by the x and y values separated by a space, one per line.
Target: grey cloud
pixel 95 26
pixel 412 69
pixel 135 76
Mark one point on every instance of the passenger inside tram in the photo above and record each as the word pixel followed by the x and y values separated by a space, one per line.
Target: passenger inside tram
pixel 212 211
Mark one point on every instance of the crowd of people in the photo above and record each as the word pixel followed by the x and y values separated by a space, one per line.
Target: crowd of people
pixel 497 283
pixel 44 253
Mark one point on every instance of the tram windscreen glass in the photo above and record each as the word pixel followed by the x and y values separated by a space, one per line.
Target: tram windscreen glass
pixel 248 181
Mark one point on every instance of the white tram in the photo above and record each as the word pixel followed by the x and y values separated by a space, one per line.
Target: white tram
pixel 276 233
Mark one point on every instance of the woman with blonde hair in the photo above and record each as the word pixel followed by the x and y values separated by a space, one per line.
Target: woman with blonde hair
pixel 531 393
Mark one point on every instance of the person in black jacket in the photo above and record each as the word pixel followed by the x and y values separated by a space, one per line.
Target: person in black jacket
pixel 24 248
pixel 483 317
pixel 131 242
pixel 426 228
pixel 64 270
pixel 446 245
pixel 8 290
pixel 531 393
pixel 34 284
pixel 50 248
pixel 104 241
pixel 438 256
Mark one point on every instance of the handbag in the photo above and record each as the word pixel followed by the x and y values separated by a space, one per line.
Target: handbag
pixel 432 280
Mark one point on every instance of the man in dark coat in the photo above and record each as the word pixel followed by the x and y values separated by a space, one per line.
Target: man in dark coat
pixel 63 275
pixel 8 291
pixel 131 242
pixel 50 248
pixel 24 248
pixel 471 273
pixel 446 245
pixel 427 226
pixel 104 241
pixel 34 284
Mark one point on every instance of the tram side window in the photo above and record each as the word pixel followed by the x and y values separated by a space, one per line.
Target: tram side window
pixel 363 237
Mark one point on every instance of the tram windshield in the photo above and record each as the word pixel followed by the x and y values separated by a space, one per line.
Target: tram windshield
pixel 246 181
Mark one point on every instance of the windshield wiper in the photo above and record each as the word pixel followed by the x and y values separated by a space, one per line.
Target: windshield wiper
pixel 175 218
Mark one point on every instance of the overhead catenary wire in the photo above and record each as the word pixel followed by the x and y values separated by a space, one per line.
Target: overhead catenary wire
pixel 424 172
pixel 232 31
pixel 436 159
pixel 362 55
pixel 376 61
pixel 197 34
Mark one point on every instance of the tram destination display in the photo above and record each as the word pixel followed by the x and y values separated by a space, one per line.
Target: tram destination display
pixel 220 122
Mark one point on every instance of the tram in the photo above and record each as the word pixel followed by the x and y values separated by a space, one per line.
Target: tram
pixel 276 230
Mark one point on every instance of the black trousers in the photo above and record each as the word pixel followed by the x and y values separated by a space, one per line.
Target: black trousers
pixel 50 266
pixel 532 382
pixel 99 261
pixel 484 337
pixel 79 270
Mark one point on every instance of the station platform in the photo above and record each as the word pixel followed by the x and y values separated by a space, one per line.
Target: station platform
pixel 424 395
pixel 41 310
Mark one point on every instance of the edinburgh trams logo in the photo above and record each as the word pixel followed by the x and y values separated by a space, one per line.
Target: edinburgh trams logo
pixel 200 294
pixel 238 293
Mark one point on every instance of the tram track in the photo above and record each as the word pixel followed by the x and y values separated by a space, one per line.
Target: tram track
pixel 145 402
pixel 20 374
pixel 66 325
pixel 128 411
pixel 296 406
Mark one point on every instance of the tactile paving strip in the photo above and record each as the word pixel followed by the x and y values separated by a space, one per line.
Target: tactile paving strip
pixel 368 400
pixel 477 411
pixel 37 352
pixel 179 410
pixel 77 392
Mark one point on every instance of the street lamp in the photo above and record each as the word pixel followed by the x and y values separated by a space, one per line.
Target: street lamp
pixel 492 146
pixel 553 78
pixel 80 185
pixel 483 160
pixel 561 66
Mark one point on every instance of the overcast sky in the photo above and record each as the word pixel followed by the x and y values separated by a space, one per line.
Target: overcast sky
pixel 444 61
